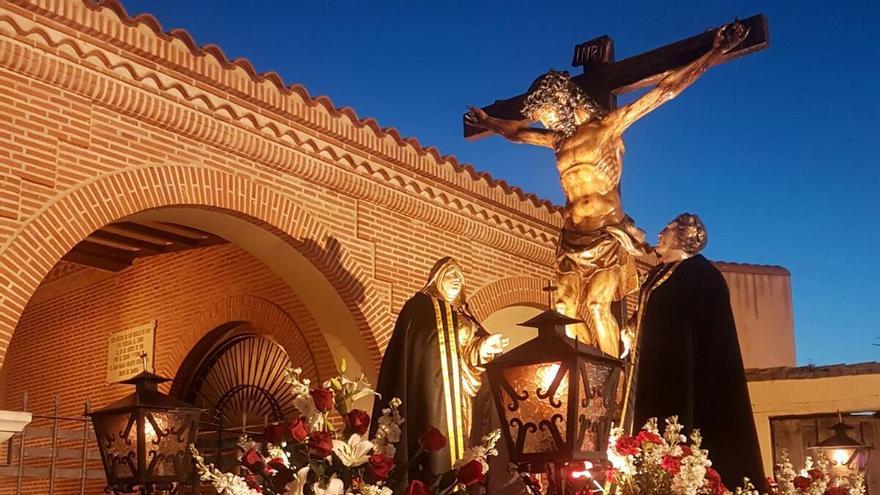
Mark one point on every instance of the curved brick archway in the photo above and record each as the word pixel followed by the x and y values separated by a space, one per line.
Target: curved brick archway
pixel 506 292
pixel 30 252
pixel 309 352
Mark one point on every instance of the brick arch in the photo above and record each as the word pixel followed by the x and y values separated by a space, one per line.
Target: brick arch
pixel 30 252
pixel 310 353
pixel 506 292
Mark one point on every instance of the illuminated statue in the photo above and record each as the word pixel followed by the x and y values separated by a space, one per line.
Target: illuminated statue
pixel 597 239
pixel 687 359
pixel 433 363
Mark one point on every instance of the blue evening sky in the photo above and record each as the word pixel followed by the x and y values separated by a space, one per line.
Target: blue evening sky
pixel 778 151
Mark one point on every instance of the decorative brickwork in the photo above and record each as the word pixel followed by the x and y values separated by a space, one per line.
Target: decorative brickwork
pixel 104 116
pixel 509 292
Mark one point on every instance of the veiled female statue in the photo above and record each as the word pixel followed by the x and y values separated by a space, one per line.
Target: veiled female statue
pixel 433 363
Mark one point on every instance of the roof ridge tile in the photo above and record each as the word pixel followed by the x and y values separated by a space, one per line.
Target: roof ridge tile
pixel 216 52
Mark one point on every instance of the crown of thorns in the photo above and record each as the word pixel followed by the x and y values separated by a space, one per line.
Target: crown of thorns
pixel 555 89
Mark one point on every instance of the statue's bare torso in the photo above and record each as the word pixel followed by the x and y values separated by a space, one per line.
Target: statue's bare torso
pixel 590 163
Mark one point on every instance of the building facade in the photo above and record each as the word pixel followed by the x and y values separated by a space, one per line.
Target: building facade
pixel 145 178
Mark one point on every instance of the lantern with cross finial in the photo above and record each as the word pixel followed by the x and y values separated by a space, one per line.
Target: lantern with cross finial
pixel 144 438
pixel 555 397
pixel 848 456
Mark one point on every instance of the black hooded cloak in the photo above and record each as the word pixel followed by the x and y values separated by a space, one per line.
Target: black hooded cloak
pixel 412 371
pixel 690 365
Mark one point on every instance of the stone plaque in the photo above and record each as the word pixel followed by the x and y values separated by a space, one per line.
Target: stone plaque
pixel 124 351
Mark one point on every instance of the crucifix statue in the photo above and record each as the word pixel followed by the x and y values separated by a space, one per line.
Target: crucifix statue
pixel 584 127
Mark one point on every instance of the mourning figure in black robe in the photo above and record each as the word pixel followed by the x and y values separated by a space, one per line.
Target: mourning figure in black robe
pixel 688 360
pixel 433 363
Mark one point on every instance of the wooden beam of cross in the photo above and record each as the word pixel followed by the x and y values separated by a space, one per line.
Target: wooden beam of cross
pixel 604 79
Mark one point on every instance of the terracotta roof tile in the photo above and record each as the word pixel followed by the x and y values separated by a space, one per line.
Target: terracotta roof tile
pixel 217 53
pixel 728 266
pixel 807 372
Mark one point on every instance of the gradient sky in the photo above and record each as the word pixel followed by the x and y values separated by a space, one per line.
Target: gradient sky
pixel 778 151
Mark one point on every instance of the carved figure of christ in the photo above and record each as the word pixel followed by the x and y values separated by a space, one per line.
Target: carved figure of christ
pixel 598 239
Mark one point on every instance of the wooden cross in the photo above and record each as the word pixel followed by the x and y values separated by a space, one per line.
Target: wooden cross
pixel 603 78
pixel 549 289
pixel 143 356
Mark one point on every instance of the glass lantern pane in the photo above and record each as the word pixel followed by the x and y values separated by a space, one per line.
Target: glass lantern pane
pixel 167 436
pixel 595 406
pixel 117 439
pixel 535 404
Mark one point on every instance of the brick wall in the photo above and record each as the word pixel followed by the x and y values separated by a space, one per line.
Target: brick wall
pixel 60 345
pixel 104 116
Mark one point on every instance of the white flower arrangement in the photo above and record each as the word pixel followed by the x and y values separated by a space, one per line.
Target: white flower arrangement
pixel 308 456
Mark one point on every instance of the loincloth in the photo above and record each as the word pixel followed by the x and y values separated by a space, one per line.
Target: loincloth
pixel 588 253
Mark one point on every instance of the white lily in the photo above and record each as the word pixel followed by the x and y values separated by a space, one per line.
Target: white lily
pixel 353 453
pixel 298 484
pixel 333 486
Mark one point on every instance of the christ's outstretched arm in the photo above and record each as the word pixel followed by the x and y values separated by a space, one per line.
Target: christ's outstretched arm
pixel 518 131
pixel 727 38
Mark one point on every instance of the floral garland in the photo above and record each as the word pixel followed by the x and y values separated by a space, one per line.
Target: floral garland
pixel 654 463
pixel 814 479
pixel 651 462
pixel 308 456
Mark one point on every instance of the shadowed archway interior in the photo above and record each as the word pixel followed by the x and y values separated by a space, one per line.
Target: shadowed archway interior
pixel 239 383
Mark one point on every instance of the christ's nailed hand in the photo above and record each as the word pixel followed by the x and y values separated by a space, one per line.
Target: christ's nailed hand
pixel 730 36
pixel 476 117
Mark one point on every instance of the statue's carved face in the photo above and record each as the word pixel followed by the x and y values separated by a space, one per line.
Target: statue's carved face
pixel 451 283
pixel 668 239
pixel 548 116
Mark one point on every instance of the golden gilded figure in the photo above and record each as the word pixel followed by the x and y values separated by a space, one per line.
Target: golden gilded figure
pixel 594 254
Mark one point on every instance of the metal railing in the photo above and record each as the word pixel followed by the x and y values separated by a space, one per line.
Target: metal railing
pixel 53 447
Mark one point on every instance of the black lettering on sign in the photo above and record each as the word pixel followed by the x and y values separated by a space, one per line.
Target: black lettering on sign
pixel 598 51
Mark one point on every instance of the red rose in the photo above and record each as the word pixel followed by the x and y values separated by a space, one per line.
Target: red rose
pixel 297 430
pixel 686 451
pixel 671 464
pixel 433 440
pixel 253 482
pixel 648 437
pixel 627 445
pixel 802 483
pixel 816 474
pixel 320 444
pixel 273 433
pixel 252 459
pixel 379 467
pixel 323 398
pixel 716 486
pixel 471 473
pixel 416 487
pixel 358 421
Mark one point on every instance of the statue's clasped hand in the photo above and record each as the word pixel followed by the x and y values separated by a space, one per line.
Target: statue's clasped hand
pixel 493 345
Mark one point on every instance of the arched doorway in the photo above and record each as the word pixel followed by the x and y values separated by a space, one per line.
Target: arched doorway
pixel 238 380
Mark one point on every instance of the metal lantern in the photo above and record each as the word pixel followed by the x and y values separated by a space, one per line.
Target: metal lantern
pixel 144 438
pixel 555 396
pixel 847 455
